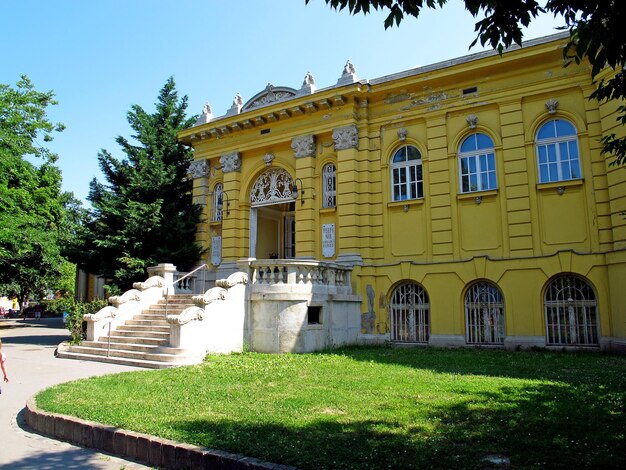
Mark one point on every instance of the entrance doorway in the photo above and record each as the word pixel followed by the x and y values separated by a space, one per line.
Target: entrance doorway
pixel 275 236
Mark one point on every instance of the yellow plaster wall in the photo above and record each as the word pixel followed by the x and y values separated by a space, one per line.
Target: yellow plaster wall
pixel 518 236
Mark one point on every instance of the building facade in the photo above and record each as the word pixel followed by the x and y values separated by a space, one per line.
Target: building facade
pixel 470 197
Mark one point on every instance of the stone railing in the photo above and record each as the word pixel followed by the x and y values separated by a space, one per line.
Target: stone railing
pixel 124 307
pixel 306 274
pixel 195 283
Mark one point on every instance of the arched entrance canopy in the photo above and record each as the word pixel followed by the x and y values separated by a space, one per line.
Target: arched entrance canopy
pixel 272 187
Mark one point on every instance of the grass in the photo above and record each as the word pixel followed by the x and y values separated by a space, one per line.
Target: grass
pixel 376 407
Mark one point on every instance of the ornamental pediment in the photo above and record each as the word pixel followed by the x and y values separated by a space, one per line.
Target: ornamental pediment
pixel 271 94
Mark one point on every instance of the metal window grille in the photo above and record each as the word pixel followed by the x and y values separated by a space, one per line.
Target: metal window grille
pixel 484 314
pixel 330 186
pixel 410 318
pixel 571 313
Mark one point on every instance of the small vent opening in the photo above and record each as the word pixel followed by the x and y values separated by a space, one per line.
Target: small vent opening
pixel 470 90
pixel 314 315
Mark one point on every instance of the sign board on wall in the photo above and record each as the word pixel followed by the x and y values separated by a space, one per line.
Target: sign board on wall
pixel 216 250
pixel 328 240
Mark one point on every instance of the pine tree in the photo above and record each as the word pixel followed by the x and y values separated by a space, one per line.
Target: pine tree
pixel 144 215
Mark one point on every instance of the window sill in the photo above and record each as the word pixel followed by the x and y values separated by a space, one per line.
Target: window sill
pixel 559 186
pixel 490 193
pixel 215 223
pixel 328 210
pixel 406 202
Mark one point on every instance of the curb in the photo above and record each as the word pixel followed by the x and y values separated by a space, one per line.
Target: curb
pixel 143 448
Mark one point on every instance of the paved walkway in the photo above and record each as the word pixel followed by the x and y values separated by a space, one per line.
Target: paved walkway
pixel 29 346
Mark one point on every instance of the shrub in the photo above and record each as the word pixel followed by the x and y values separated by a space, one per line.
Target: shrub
pixel 76 312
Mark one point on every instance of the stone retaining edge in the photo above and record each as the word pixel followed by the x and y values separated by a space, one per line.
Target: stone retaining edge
pixel 143 448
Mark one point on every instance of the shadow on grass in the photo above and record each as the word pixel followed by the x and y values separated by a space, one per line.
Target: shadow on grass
pixel 543 426
pixel 574 367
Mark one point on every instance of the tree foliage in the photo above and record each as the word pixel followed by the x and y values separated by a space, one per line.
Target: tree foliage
pixel 144 214
pixel 596 29
pixel 32 206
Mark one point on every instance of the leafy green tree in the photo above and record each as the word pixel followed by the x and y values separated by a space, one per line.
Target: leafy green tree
pixel 32 205
pixel 596 29
pixel 144 214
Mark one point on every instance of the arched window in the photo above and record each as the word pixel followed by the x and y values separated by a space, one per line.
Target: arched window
pixel 406 174
pixel 216 216
pixel 557 152
pixel 477 164
pixel 571 312
pixel 410 317
pixel 329 182
pixel 484 314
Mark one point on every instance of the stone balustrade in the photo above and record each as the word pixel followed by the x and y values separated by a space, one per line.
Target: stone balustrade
pixel 306 274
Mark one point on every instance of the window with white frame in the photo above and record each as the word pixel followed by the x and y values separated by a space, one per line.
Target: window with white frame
pixel 410 314
pixel 217 196
pixel 477 164
pixel 557 152
pixel 571 312
pixel 329 182
pixel 484 314
pixel 406 174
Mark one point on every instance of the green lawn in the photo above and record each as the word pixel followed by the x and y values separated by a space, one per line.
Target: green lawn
pixel 376 407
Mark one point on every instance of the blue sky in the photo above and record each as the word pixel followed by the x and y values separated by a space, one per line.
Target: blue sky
pixel 101 57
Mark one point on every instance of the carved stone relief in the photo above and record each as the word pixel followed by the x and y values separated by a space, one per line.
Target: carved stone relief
pixel 230 162
pixel 346 137
pixel 199 169
pixel 303 146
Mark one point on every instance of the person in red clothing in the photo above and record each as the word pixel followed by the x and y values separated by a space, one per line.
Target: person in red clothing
pixel 3 366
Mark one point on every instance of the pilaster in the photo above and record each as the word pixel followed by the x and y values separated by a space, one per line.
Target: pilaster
pixel 305 205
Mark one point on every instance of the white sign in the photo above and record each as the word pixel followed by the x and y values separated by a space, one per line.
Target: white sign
pixel 328 240
pixel 216 250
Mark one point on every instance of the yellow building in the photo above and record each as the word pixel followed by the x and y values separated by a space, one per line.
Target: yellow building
pixel 470 197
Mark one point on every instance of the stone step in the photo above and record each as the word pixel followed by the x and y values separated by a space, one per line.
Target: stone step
pixel 152 328
pixel 149 316
pixel 163 311
pixel 117 360
pixel 162 341
pixel 104 345
pixel 127 354
pixel 143 334
pixel 147 322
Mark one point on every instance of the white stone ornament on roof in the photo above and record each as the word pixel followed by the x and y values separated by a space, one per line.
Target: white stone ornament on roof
pixel 348 75
pixel 270 95
pixel 236 106
pixel 206 116
pixel 308 85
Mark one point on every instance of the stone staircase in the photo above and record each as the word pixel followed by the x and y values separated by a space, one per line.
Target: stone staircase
pixel 142 341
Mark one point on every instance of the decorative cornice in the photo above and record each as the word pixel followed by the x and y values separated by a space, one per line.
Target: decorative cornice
pixel 199 169
pixel 230 162
pixel 346 137
pixel 303 146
